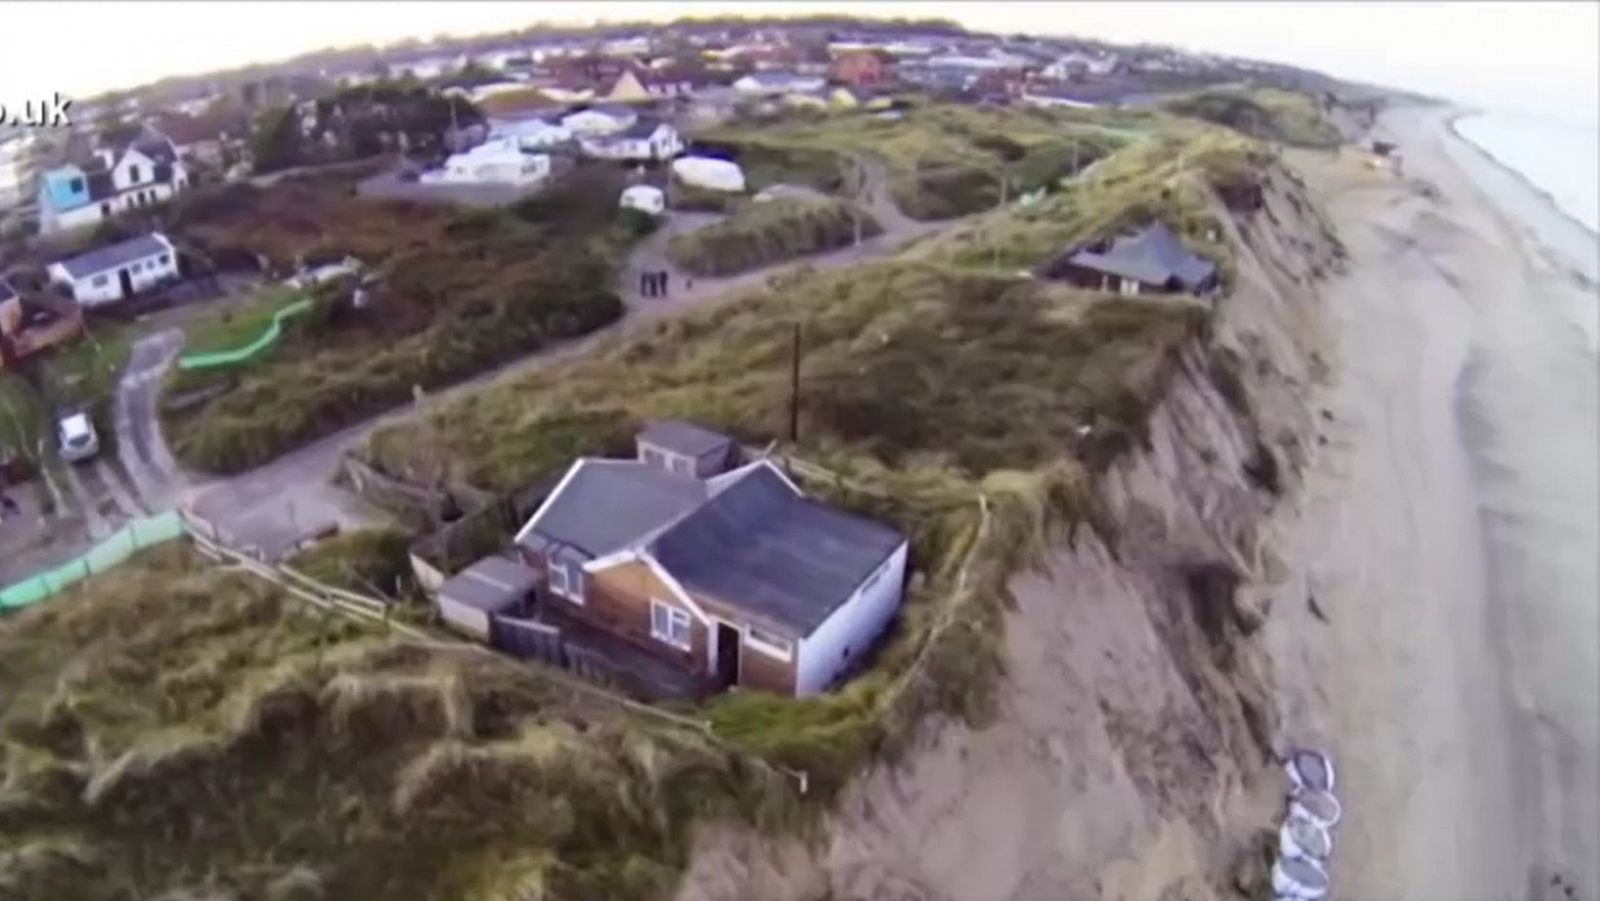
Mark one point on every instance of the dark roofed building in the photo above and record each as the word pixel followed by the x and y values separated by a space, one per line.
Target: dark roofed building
pixel 1152 259
pixel 494 585
pixel 734 576
pixel 761 546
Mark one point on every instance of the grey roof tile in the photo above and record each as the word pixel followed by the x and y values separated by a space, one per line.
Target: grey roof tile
pixel 761 547
pixel 1154 256
pixel 115 255
pixel 607 505
pixel 493 583
pixel 683 437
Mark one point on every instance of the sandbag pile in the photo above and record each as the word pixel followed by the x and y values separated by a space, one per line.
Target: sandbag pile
pixel 1305 840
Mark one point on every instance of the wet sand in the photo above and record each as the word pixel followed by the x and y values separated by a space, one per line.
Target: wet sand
pixel 1448 532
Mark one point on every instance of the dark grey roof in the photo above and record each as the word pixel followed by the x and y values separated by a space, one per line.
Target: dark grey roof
pixel 761 547
pixel 642 127
pixel 113 256
pixel 684 437
pixel 100 185
pixel 493 583
pixel 1153 256
pixel 156 147
pixel 607 505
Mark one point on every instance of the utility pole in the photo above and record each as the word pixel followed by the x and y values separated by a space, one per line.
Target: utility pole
pixel 794 389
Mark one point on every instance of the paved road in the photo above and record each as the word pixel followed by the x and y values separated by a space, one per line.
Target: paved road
pixel 272 505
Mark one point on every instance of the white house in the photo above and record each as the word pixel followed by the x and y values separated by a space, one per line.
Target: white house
pixel 499 161
pixel 645 139
pixel 645 199
pixel 604 119
pixel 776 83
pixel 147 171
pixel 530 134
pixel 112 273
pixel 1053 97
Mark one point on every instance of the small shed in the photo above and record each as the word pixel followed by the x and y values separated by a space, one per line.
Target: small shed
pixel 685 448
pixel 470 600
pixel 645 199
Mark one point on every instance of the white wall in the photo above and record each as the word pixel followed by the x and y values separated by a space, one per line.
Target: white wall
pixel 465 618
pixel 105 287
pixel 51 221
pixel 857 625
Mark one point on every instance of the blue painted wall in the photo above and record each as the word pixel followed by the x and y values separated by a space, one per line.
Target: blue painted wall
pixel 56 188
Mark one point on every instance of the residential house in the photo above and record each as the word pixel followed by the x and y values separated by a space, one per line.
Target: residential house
pixel 16 168
pixel 1152 259
pixel 33 322
pixel 502 161
pixel 863 68
pixel 1044 95
pixel 118 271
pixel 1072 66
pixel 713 105
pixel 534 133
pixel 147 171
pixel 201 137
pixel 735 576
pixel 635 85
pixel 645 139
pixel 776 84
pixel 595 121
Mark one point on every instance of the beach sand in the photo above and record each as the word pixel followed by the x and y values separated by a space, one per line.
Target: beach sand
pixel 1448 534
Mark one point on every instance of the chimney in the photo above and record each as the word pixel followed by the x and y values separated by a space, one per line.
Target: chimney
pixel 108 157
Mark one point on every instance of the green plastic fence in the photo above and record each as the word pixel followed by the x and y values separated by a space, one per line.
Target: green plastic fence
pixel 240 354
pixel 135 536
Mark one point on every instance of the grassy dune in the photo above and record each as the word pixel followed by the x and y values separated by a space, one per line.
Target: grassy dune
pixel 245 749
pixel 761 234
pixel 1267 113
pixel 947 160
pixel 458 292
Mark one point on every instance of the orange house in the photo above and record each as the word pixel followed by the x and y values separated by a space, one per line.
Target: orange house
pixel 731 574
pixel 861 68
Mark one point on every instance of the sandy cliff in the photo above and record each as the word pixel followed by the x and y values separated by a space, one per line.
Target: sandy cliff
pixel 1131 755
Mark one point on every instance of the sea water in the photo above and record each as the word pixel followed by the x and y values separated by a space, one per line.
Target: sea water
pixel 1561 158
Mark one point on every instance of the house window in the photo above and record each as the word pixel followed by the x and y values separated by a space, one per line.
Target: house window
pixel 75 186
pixel 99 281
pixel 166 259
pixel 669 625
pixel 652 456
pixel 767 643
pixel 566 579
pixel 133 173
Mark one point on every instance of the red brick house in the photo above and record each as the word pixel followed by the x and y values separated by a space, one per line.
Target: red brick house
pixel 731 575
pixel 862 68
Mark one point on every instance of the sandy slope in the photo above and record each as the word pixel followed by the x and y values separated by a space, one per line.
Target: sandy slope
pixel 1448 532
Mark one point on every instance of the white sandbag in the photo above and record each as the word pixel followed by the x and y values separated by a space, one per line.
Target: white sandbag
pixel 1300 837
pixel 1299 877
pixel 1310 770
pixel 1321 808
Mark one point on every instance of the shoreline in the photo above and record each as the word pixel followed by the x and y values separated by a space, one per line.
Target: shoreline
pixel 1589 269
pixel 1518 174
pixel 1442 531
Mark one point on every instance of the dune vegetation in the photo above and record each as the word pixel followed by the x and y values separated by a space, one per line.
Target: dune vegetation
pixel 760 234
pixel 457 292
pixel 946 160
pixel 245 748
pixel 1271 114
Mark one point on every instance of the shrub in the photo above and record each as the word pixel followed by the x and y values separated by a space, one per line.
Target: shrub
pixel 764 233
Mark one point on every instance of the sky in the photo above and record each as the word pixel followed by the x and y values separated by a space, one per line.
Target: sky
pixel 1536 57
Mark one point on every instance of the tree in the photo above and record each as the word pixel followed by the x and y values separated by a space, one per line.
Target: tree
pixel 275 144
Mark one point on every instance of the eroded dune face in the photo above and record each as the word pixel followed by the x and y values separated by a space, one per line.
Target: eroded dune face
pixel 1133 754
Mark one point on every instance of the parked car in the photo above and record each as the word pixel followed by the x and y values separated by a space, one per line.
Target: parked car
pixel 76 433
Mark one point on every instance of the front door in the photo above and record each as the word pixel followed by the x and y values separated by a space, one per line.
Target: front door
pixel 727 654
pixel 125 280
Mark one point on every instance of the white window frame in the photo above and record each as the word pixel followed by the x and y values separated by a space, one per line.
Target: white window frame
pixel 666 621
pixel 570 573
pixel 765 644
